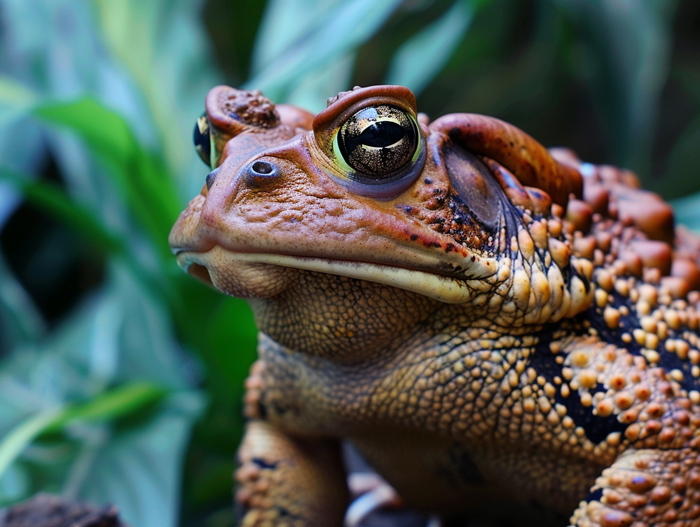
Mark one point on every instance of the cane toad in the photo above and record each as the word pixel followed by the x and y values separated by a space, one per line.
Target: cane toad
pixel 487 321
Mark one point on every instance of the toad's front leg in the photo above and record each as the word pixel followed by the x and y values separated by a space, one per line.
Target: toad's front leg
pixel 286 481
pixel 645 487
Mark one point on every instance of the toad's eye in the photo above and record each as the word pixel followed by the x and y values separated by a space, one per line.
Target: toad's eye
pixel 377 143
pixel 201 139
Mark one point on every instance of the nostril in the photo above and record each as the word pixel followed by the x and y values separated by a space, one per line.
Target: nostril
pixel 263 168
pixel 260 174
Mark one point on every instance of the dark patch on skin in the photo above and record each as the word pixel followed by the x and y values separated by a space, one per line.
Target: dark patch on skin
pixel 414 237
pixel 597 428
pixel 428 181
pixel 614 336
pixel 280 408
pixel 596 495
pixel 462 468
pixel 628 323
pixel 265 464
pixel 282 512
pixel 670 361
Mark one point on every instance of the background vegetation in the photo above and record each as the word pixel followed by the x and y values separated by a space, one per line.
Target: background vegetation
pixel 120 377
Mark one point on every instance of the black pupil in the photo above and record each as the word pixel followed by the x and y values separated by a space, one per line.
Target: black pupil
pixel 379 135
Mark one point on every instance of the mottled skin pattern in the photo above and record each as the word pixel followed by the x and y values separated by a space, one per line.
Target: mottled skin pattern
pixel 486 330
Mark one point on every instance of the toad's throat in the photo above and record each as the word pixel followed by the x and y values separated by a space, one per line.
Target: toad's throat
pixel 211 265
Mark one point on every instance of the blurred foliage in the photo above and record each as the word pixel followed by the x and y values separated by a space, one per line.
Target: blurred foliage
pixel 120 376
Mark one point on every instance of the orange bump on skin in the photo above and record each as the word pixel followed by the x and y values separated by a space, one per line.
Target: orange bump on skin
pixel 642 392
pixel 688 270
pixel 672 319
pixel 641 483
pixel 580 359
pixel 611 317
pixel 612 518
pixel 605 280
pixel 538 231
pixel 624 400
pixel 633 262
pixel 648 324
pixel 618 381
pixel 677 287
pixel 622 287
pixel 560 252
pixel 588 379
pixel 579 213
pixel 597 197
pixel 585 247
pixel 605 408
pixel 640 336
pixel 632 432
pixel 601 298
pixel 660 494
pixel 653 254
pixel 649 294
pixel 652 216
pixel 652 276
pixel 604 241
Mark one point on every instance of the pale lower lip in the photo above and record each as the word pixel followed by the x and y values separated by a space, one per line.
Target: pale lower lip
pixel 441 288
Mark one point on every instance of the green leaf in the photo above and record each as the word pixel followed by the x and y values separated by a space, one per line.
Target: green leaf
pixel 627 47
pixel 682 163
pixel 22 321
pixel 142 470
pixel 140 176
pixel 16 99
pixel 52 200
pixel 163 46
pixel 110 405
pixel 422 57
pixel 332 36
pixel 22 435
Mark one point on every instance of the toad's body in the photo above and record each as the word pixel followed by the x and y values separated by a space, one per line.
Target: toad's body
pixel 486 321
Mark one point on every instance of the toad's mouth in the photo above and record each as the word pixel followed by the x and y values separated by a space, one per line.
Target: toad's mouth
pixel 262 274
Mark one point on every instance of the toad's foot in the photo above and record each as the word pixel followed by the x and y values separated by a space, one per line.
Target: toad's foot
pixel 645 487
pixel 289 482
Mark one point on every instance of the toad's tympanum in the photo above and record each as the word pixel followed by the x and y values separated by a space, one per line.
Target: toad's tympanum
pixel 485 320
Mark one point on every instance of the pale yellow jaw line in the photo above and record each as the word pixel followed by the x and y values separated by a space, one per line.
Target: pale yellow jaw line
pixel 441 288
